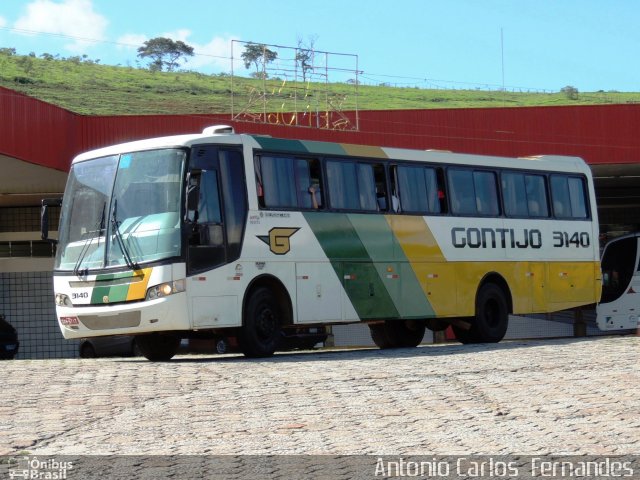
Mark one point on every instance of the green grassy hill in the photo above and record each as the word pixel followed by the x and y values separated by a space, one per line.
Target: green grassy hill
pixel 86 87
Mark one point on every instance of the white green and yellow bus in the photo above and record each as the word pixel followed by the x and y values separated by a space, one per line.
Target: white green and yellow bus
pixel 259 238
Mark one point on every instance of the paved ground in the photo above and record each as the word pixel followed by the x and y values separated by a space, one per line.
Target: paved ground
pixel 527 397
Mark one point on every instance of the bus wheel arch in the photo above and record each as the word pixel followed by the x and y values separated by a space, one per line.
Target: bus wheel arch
pixel 266 309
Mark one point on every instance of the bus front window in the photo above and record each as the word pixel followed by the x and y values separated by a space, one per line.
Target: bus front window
pixel 121 210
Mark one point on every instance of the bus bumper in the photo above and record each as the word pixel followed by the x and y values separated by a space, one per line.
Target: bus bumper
pixel 163 314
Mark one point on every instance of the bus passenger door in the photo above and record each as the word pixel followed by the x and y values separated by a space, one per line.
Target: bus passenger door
pixel 205 232
pixel 214 219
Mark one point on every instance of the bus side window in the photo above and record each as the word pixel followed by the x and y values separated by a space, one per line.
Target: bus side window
pixel 486 193
pixel 535 186
pixel 308 183
pixel 278 181
pixel 288 182
pixel 514 194
pixel 569 197
pixel 462 191
pixel 421 189
pixel 351 185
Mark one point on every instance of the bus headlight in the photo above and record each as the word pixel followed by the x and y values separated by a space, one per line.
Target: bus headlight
pixel 63 300
pixel 165 289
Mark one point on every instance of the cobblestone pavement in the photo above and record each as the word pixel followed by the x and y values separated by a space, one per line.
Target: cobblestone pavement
pixel 570 396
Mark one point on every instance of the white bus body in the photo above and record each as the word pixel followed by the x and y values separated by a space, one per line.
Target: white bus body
pixel 257 236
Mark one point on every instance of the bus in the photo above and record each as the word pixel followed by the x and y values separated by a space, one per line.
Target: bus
pixel 619 307
pixel 259 238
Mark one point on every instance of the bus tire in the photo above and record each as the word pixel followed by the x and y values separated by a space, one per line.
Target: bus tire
pixel 463 335
pixel 261 331
pixel 87 351
pixel 491 320
pixel 158 347
pixel 492 314
pixel 398 333
pixel 379 335
pixel 436 324
pixel 405 333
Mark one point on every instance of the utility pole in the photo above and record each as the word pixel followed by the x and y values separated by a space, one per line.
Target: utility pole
pixel 502 55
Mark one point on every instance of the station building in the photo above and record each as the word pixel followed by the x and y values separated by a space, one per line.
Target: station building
pixel 38 141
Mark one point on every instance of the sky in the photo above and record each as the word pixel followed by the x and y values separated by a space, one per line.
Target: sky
pixel 528 45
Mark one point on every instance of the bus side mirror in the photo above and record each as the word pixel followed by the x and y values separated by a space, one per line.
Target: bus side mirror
pixel 44 216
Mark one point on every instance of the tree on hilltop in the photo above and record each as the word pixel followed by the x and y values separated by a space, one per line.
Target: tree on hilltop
pixel 259 55
pixel 164 52
pixel 570 92
pixel 304 56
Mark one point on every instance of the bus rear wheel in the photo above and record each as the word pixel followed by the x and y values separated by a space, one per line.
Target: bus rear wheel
pixel 398 333
pixel 491 320
pixel 158 347
pixel 261 331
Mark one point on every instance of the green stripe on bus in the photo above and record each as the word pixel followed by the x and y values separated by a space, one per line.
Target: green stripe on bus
pixel 117 293
pixel 268 143
pixel 112 276
pixel 324 148
pixel 353 265
pixel 337 236
pixel 392 266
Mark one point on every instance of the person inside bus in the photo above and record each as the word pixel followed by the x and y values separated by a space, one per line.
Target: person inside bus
pixel 312 191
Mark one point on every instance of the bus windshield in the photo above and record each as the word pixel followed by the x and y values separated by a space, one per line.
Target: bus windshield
pixel 121 210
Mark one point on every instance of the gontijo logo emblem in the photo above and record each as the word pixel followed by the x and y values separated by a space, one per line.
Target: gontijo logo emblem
pixel 279 239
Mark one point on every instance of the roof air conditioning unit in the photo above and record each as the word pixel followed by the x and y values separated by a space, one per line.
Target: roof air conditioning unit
pixel 217 129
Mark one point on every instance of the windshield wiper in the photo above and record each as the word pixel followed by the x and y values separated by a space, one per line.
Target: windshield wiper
pixel 99 228
pixel 119 238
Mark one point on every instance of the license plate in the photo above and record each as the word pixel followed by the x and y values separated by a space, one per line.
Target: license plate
pixel 10 347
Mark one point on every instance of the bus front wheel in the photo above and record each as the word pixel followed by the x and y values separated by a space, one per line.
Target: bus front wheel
pixel 158 347
pixel 262 328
